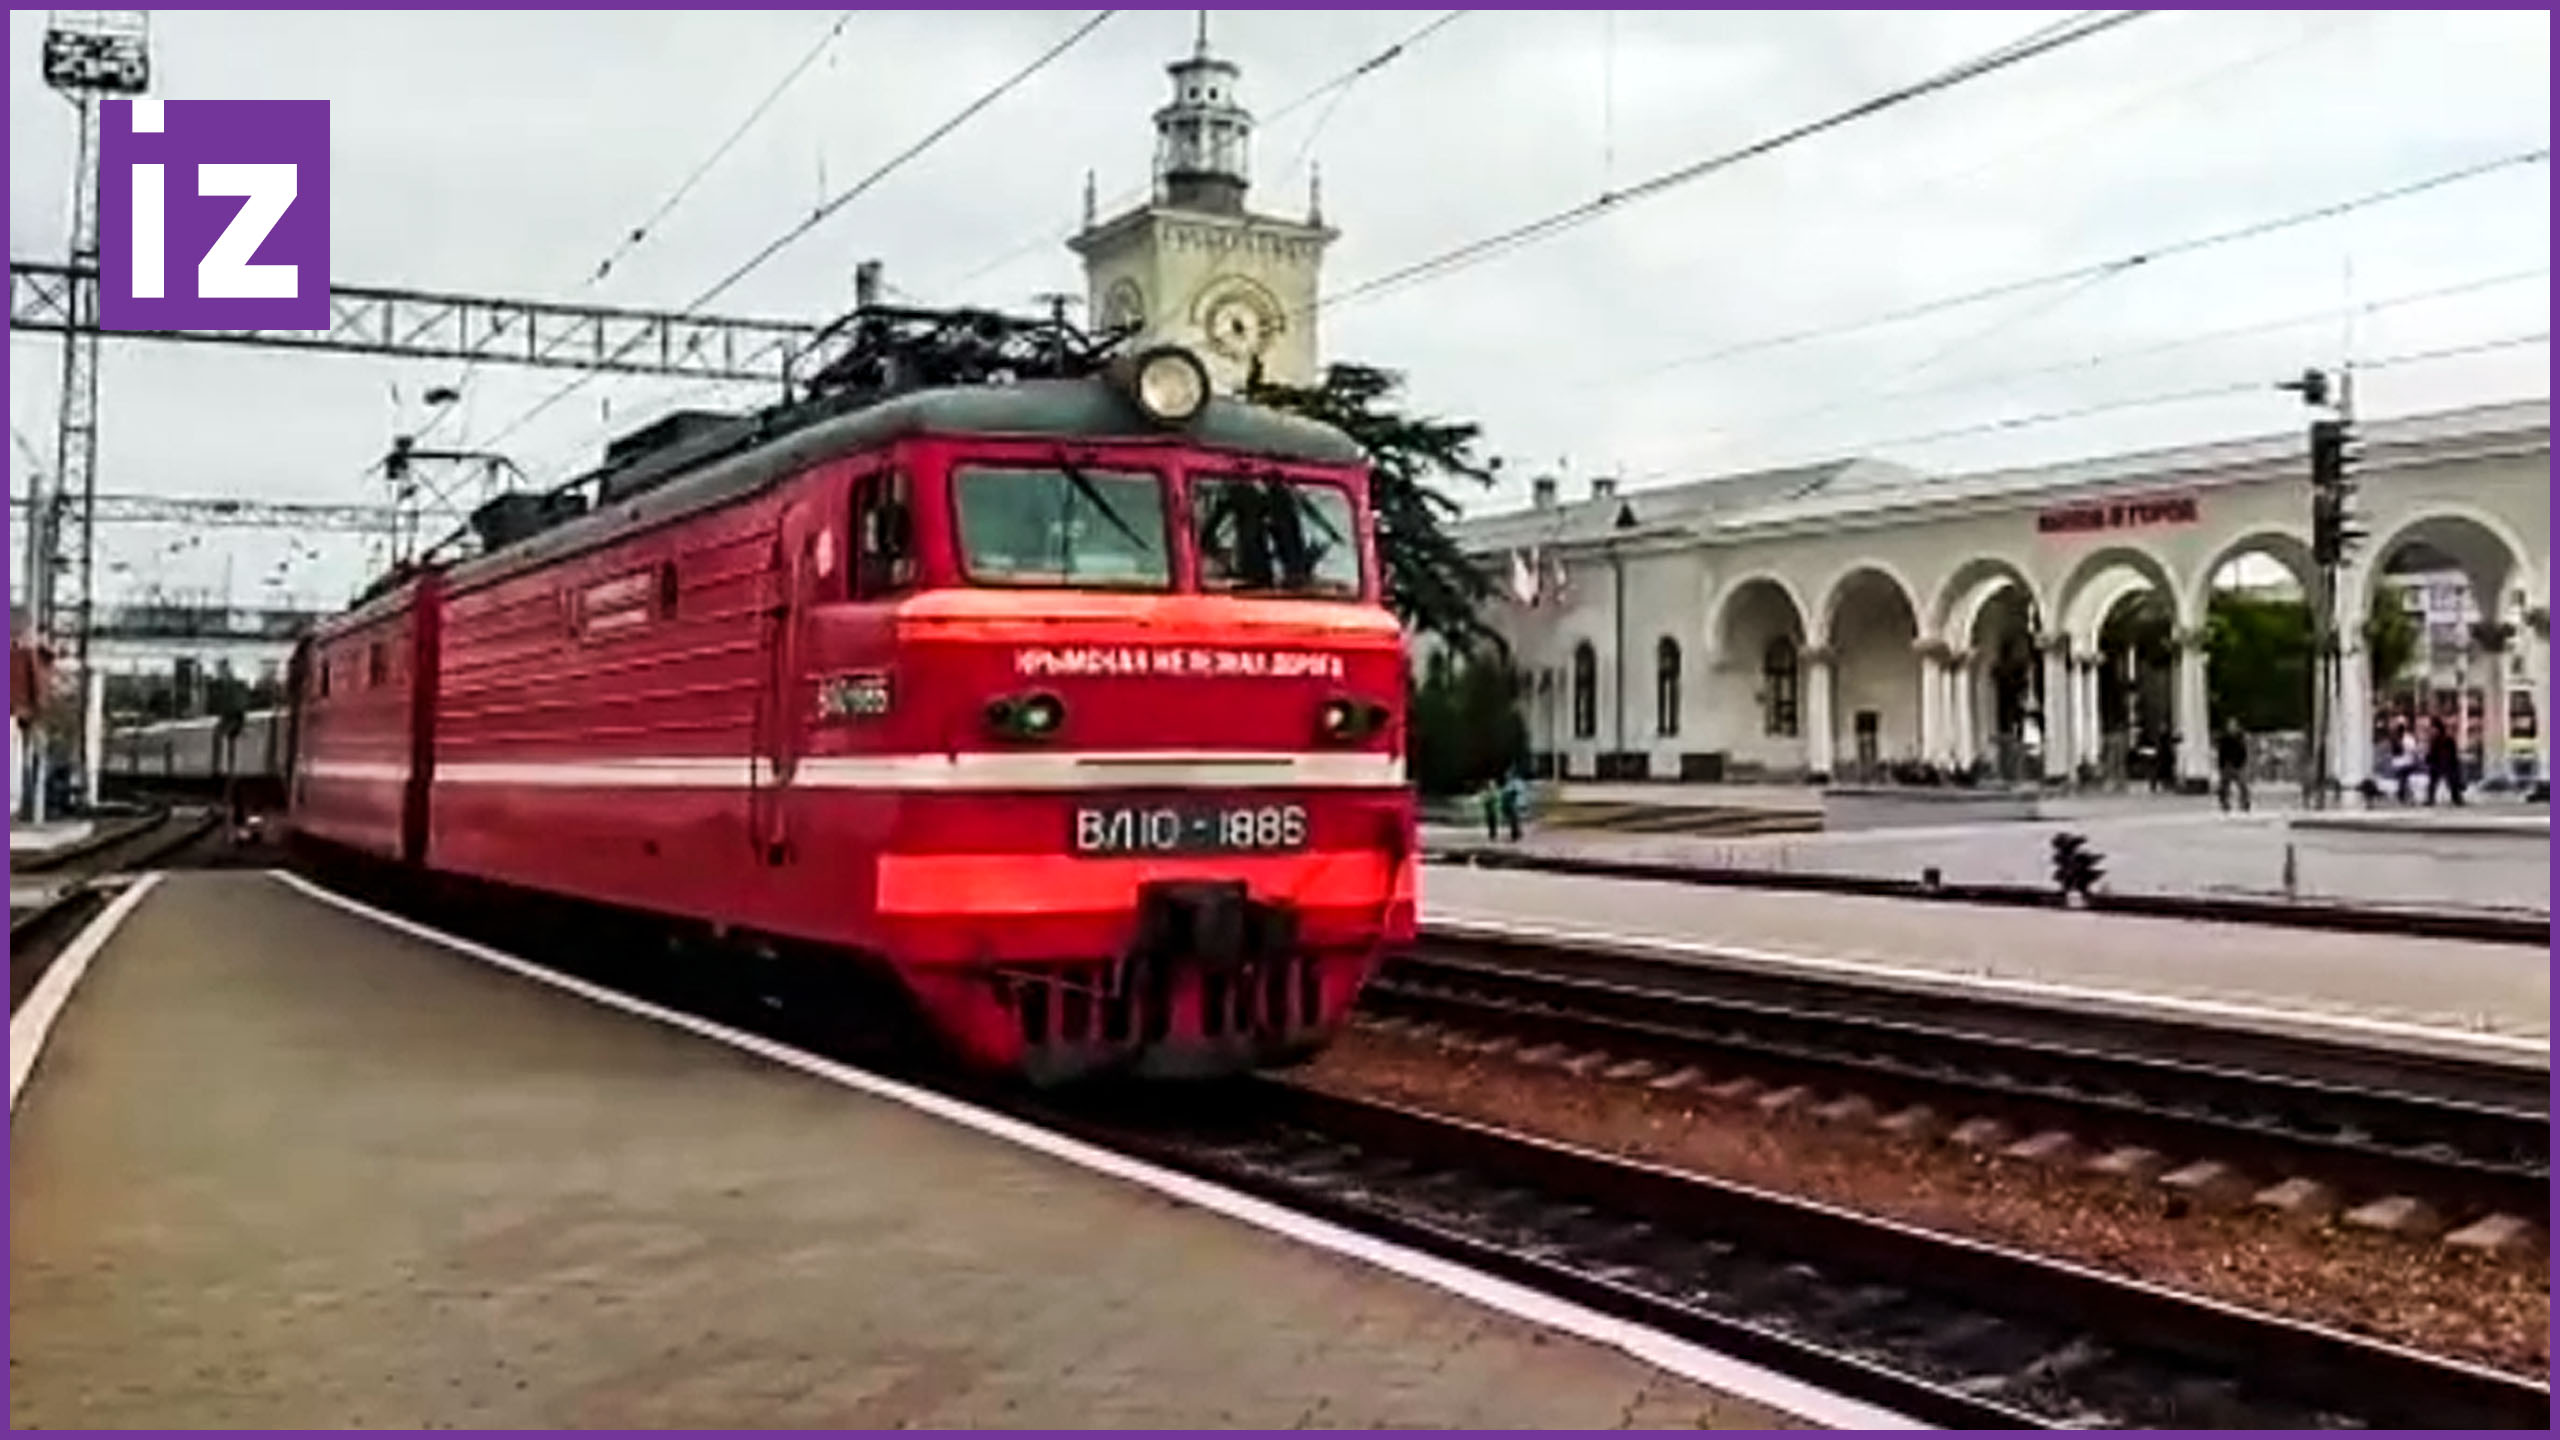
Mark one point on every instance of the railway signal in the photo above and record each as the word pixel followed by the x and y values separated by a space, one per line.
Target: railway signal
pixel 2334 535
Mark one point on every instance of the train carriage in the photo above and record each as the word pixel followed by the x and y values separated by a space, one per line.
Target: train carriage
pixel 1072 703
pixel 200 755
pixel 361 721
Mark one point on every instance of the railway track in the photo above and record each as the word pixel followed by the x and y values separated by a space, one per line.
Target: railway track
pixel 2469 1139
pixel 69 889
pixel 1949 1331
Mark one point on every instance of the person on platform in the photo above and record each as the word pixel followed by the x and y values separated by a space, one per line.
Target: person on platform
pixel 2231 761
pixel 1515 801
pixel 2444 761
pixel 2404 758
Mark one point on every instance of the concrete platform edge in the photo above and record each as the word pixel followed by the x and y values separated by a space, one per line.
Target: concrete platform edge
pixel 34 1020
pixel 1664 1352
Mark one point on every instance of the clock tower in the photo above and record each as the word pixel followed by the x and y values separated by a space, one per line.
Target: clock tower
pixel 1193 266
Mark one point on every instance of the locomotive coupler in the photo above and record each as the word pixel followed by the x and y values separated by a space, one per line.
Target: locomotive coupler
pixel 1215 926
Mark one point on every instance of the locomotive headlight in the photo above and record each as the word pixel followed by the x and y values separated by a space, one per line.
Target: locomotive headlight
pixel 1042 715
pixel 1027 717
pixel 1170 384
pixel 1345 719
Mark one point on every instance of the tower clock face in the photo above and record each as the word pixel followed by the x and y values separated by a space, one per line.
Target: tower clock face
pixel 1237 328
pixel 1124 304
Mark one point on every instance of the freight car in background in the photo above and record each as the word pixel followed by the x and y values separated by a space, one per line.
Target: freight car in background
pixel 1070 705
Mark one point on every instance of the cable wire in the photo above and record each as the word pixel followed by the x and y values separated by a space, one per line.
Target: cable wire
pixel 2087 25
pixel 2138 402
pixel 835 204
pixel 641 232
pixel 1336 87
pixel 894 162
pixel 2296 321
pixel 2299 218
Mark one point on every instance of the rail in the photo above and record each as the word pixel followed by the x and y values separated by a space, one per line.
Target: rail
pixel 2470 1138
pixel 1950 1331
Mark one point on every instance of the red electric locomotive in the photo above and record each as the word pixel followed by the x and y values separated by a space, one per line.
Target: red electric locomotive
pixel 1069 702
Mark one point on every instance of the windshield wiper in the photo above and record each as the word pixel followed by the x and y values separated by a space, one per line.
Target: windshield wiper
pixel 1093 494
pixel 1298 557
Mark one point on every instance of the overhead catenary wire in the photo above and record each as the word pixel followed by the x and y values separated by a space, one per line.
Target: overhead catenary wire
pixel 2296 321
pixel 2224 391
pixel 641 233
pixel 890 166
pixel 2327 26
pixel 1336 87
pixel 835 204
pixel 2438 181
pixel 2045 40
pixel 2329 29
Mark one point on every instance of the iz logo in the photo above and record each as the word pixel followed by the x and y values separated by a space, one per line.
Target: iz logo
pixel 213 215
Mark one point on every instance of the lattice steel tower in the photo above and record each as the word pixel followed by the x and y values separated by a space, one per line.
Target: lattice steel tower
pixel 88 55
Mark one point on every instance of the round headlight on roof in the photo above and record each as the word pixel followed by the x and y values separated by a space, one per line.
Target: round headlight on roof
pixel 1170 384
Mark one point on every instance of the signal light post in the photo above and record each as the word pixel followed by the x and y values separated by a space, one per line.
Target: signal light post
pixel 2334 538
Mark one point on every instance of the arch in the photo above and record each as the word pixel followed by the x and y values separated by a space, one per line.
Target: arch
pixel 1730 596
pixel 1586 690
pixel 1969 590
pixel 1883 693
pixel 2082 601
pixel 2443 526
pixel 1666 687
pixel 1781 688
pixel 2287 547
pixel 1972 588
pixel 1851 578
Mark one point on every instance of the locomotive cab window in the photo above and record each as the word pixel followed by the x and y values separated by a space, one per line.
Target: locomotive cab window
pixel 884 559
pixel 1062 525
pixel 1268 535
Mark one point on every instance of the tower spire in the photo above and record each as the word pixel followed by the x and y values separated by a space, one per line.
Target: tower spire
pixel 1202 133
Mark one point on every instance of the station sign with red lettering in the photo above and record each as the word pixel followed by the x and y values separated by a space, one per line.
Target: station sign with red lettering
pixel 2097 516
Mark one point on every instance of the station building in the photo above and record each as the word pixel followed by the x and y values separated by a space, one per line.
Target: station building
pixel 1843 620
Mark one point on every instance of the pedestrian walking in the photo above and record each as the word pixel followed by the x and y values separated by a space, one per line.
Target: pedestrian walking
pixel 1489 800
pixel 1515 800
pixel 2231 765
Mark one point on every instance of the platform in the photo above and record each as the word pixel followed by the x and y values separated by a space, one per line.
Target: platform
pixel 2158 849
pixel 281 1166
pixel 53 835
pixel 2440 995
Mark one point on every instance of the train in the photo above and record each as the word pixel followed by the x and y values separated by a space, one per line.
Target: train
pixel 196 756
pixel 1070 705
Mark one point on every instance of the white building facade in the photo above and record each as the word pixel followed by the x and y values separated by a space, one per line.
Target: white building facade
pixel 1846 619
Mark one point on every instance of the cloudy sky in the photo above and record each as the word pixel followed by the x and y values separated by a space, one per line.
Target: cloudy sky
pixel 510 153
